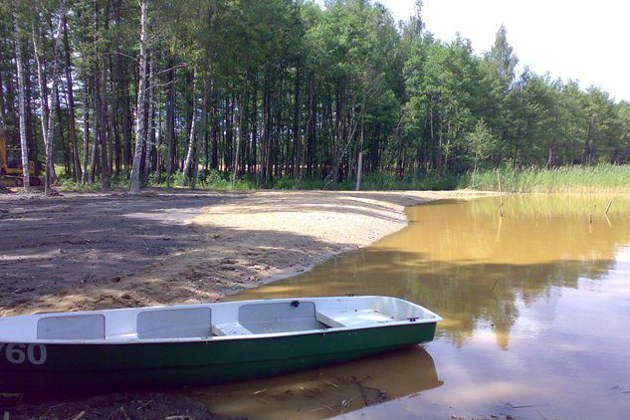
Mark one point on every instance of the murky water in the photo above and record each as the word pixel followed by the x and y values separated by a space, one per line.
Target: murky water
pixel 536 309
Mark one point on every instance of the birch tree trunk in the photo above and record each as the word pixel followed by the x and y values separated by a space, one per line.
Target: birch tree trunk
pixel 191 138
pixel 50 162
pixel 21 100
pixel 140 109
pixel 44 109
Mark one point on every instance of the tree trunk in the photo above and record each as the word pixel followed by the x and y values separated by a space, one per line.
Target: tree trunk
pixel 215 128
pixel 266 135
pixel 158 148
pixel 97 134
pixel 186 172
pixel 44 109
pixel 204 121
pixel 140 109
pixel 126 117
pixel 100 114
pixel 73 128
pixel 114 115
pixel 361 139
pixel 312 121
pixel 21 101
pixel 253 158
pixel 62 138
pixel 49 125
pixel 86 135
pixel 297 128
pixel 150 122
pixel 241 130
pixel 170 123
pixel 3 110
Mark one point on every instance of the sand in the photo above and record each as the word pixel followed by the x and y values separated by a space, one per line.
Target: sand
pixel 85 251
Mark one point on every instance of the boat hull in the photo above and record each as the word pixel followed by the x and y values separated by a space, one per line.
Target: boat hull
pixel 197 362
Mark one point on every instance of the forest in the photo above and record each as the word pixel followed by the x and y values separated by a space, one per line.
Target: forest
pixel 279 92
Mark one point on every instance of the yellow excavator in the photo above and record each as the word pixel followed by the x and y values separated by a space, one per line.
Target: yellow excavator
pixel 11 174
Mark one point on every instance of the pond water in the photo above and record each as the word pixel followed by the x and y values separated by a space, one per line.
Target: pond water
pixel 536 308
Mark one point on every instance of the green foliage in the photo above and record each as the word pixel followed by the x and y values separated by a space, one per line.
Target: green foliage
pixel 605 178
pixel 68 184
pixel 301 91
pixel 481 142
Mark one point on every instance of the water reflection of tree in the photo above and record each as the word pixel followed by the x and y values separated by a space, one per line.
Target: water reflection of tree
pixel 490 294
pixel 452 260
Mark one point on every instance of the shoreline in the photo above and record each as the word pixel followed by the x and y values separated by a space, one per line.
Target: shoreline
pixel 389 219
pixel 175 247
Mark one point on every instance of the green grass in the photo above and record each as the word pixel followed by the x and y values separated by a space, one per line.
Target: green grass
pixel 577 179
pixel 603 178
pixel 214 180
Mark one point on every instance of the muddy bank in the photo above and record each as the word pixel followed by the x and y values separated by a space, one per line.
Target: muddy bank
pixel 86 251
pixel 121 406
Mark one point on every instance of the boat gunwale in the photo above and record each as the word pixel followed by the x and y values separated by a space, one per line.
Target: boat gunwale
pixel 431 319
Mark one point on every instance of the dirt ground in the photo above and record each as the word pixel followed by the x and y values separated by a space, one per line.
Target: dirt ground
pixel 78 251
pixel 84 251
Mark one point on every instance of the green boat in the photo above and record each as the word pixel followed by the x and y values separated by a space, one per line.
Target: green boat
pixel 206 343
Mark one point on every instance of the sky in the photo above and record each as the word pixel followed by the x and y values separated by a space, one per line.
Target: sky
pixel 571 39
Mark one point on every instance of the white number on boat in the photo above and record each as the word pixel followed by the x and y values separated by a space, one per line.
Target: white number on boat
pixel 19 353
pixel 15 353
pixel 32 354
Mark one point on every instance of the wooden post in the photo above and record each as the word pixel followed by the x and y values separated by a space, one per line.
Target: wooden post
pixel 359 171
pixel 608 207
pixel 500 191
pixel 499 183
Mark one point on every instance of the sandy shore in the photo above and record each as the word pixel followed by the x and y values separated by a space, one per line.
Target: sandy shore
pixel 88 251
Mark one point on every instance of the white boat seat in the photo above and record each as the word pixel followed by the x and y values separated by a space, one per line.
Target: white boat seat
pixel 71 327
pixel 230 328
pixel 281 317
pixel 352 318
pixel 174 323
